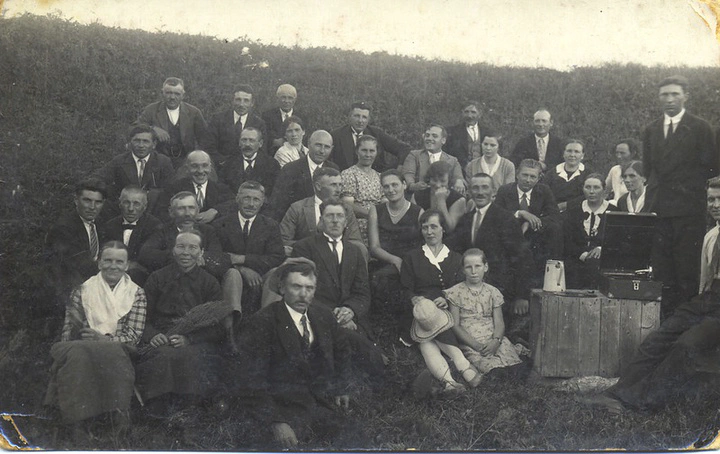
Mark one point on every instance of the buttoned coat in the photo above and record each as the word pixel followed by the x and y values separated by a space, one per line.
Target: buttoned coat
pixel 526 148
pixel 294 182
pixel 263 248
pixel 223 139
pixel 145 227
pixel 193 127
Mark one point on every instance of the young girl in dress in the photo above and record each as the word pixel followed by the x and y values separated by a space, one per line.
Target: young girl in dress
pixel 476 308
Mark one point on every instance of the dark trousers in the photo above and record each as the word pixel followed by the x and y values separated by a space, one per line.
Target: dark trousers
pixel 676 258
pixel 666 360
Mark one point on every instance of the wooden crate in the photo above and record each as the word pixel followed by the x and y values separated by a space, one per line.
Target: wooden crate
pixel 581 334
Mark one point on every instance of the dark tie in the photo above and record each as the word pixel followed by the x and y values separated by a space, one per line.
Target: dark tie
pixel 670 129
pixel 246 229
pixel 305 335
pixel 714 263
pixel 200 197
pixel 334 243
pixel 129 226
pixel 524 202
pixel 141 172
pixel 94 244
pixel 238 128
pixel 476 227
pixel 593 230
pixel 249 164
pixel 356 136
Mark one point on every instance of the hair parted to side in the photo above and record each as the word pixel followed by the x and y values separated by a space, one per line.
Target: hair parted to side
pixel 113 244
pixel 427 214
pixel 304 268
pixel 251 184
pixel 637 166
pixel 195 232
pixel 475 252
pixel 91 184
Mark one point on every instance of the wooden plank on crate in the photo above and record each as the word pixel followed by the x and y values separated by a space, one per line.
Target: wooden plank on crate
pixel 589 342
pixel 536 323
pixel 650 318
pixel 609 337
pixel 630 323
pixel 550 335
pixel 568 336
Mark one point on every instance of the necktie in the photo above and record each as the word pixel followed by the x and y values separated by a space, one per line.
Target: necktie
pixel 249 164
pixel 593 230
pixel 238 128
pixel 335 251
pixel 356 136
pixel 141 169
pixel 670 130
pixel 94 244
pixel 473 133
pixel 246 229
pixel 200 197
pixel 284 115
pixel 714 265
pixel 305 334
pixel 541 148
pixel 524 202
pixel 128 227
pixel 476 225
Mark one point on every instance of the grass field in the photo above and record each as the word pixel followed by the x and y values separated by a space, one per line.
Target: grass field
pixel 68 92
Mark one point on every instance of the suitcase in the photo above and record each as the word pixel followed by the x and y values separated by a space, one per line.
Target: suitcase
pixel 625 271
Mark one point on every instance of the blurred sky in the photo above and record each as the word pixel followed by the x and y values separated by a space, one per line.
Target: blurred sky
pixel 548 33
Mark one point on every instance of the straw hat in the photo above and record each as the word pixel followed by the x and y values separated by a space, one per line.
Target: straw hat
pixel 429 321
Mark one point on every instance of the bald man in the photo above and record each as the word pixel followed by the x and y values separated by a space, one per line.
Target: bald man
pixel 286 96
pixel 208 193
pixel 295 180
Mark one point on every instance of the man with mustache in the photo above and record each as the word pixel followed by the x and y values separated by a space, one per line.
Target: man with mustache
pixel 251 164
pixel 418 162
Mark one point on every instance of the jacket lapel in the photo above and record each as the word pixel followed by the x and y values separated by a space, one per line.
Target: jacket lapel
pixel 328 258
pixel 130 169
pixel 309 212
pixel 288 333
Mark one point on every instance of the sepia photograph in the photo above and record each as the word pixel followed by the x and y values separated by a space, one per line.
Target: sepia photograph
pixel 428 225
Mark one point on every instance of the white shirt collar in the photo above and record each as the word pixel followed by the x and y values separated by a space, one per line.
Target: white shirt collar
pixel 284 114
pixel 528 194
pixel 202 186
pixel 560 169
pixel 436 260
pixel 237 117
pixel 546 138
pixel 484 209
pixel 675 120
pixel 296 316
pixel 312 165
pixel 243 219
pixel 591 230
pixel 174 115
pixel 635 208
pixel 137 160
pixel 124 221
pixel 434 157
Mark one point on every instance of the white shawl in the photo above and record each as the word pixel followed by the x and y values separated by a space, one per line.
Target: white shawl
pixel 104 306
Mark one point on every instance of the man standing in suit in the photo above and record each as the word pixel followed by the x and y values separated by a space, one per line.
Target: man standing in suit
pixel 211 196
pixel 295 180
pixel 251 164
pixel 391 151
pixel 251 241
pixel 418 162
pixel 497 233
pixel 461 137
pixel 225 127
pixel 303 217
pixel 73 243
pixel 537 213
pixel 679 156
pixel 540 145
pixel 295 370
pixel 141 166
pixel 274 118
pixel 179 126
pixel 133 227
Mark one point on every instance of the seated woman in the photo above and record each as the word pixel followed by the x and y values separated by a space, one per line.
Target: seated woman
pixel 393 231
pixel 583 234
pixel 625 151
pixel 184 329
pixel 476 308
pixel 634 178
pixel 566 179
pixel 92 372
pixel 361 187
pixel 439 196
pixel 500 169
pixel 293 148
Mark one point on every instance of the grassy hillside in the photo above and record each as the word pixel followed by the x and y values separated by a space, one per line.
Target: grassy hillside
pixel 68 92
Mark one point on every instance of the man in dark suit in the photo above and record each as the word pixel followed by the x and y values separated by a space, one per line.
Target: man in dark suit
pixel 251 241
pixel 225 127
pixel 179 126
pixel 274 118
pixel 141 166
pixel 251 164
pixel 540 145
pixel 73 243
pixel 133 227
pixel 295 368
pixel 498 234
pixel 537 213
pixel 461 137
pixel 679 156
pixel 295 182
pixel 212 197
pixel 391 151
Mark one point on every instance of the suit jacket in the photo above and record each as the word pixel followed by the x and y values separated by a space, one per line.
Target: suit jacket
pixel 391 151
pixel 156 252
pixel 274 123
pixel 542 202
pixel 265 171
pixel 417 164
pixel 349 287
pixel 67 247
pixel 294 182
pixel 121 171
pixel 193 128
pixel 224 142
pixel 216 194
pixel 526 148
pixel 275 376
pixel 146 226
pixel 507 254
pixel 459 143
pixel 299 222
pixel 678 168
pixel 263 249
